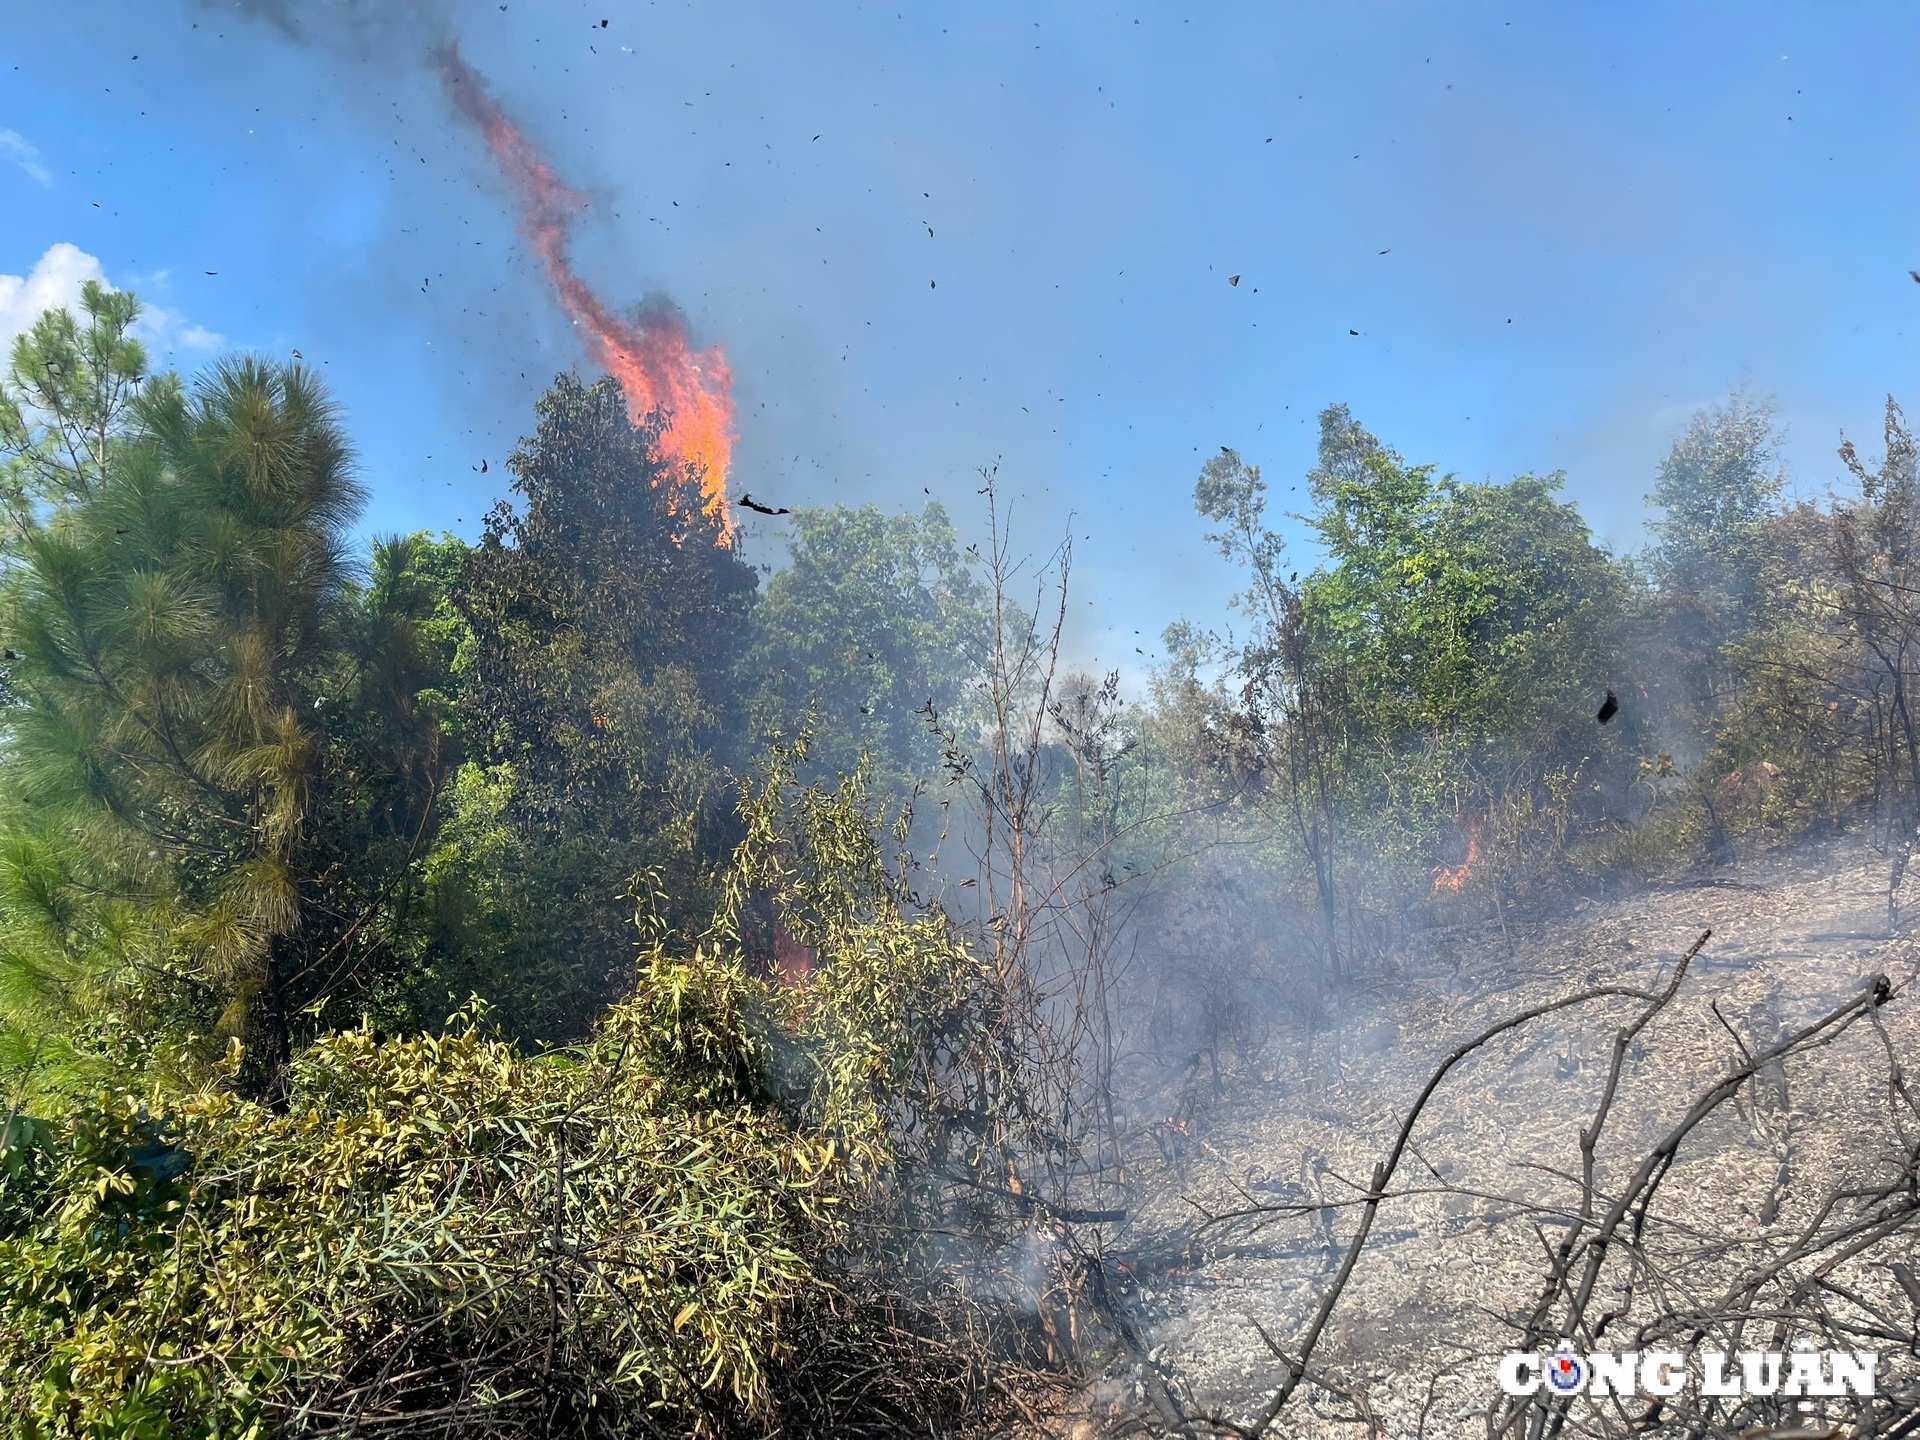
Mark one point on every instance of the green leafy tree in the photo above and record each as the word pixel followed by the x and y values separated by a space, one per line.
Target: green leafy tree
pixel 1876 565
pixel 1462 610
pixel 702 1221
pixel 1716 490
pixel 1436 674
pixel 1295 717
pixel 603 623
pixel 873 617
pixel 1806 734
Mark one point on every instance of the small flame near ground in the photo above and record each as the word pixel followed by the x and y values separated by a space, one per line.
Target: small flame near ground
pixel 649 355
pixel 1452 878
pixel 794 960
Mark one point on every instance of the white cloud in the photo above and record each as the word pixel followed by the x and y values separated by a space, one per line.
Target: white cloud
pixel 168 331
pixel 24 153
pixel 55 280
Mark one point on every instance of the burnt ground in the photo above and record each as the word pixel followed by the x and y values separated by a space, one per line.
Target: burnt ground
pixel 1797 930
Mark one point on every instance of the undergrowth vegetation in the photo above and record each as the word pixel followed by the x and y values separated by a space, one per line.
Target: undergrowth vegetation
pixel 646 1231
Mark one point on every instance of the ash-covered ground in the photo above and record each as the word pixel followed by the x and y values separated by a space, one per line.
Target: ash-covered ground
pixel 1462 1248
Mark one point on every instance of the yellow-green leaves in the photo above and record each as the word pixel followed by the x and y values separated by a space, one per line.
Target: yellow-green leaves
pixel 633 1226
pixel 442 1188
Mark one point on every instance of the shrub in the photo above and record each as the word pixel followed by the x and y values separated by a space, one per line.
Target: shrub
pixel 641 1233
pixel 434 1219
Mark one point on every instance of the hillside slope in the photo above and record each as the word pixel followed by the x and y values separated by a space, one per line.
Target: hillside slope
pixel 1459 1249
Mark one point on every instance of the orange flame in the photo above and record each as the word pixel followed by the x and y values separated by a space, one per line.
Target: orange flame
pixel 794 960
pixel 1452 878
pixel 649 355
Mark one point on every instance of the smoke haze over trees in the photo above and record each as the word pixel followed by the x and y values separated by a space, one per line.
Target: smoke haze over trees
pixel 444 979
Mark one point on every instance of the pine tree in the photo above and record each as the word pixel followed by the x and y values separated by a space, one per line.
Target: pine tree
pixel 220 770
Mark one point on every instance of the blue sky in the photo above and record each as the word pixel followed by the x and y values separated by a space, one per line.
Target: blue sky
pixel 1595 218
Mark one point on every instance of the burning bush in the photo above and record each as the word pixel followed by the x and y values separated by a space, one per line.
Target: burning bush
pixel 655 1230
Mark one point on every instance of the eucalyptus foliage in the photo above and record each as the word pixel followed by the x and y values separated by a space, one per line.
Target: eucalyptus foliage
pixel 638 1233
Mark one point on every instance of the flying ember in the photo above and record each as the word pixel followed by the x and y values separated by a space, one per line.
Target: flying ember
pixel 649 354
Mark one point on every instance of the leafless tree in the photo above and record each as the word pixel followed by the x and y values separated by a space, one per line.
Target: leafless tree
pixel 1627 1274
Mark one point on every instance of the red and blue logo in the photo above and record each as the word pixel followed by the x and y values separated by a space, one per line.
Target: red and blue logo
pixel 1566 1373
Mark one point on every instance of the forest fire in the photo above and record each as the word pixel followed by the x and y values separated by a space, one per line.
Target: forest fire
pixel 649 355
pixel 793 960
pixel 1452 877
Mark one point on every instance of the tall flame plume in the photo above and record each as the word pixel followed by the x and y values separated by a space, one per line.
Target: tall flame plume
pixel 649 355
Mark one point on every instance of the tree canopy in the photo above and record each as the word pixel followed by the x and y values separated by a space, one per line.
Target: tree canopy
pixel 219 738
pixel 873 617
